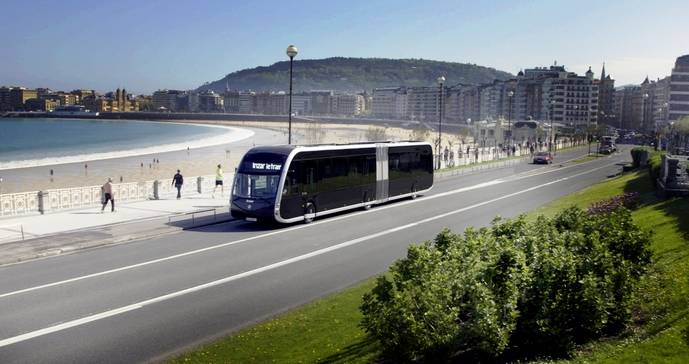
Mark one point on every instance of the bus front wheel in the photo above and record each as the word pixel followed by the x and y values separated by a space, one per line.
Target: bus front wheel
pixel 309 213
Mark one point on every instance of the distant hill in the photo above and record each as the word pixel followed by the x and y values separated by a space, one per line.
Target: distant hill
pixel 354 74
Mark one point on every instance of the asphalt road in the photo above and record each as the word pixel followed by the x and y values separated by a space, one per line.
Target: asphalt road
pixel 148 300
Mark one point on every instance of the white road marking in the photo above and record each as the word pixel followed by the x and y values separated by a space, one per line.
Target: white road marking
pixel 297 227
pixel 138 305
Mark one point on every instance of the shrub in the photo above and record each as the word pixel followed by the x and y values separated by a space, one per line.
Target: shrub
pixel 654 164
pixel 534 287
pixel 637 157
pixel 582 281
pixel 457 294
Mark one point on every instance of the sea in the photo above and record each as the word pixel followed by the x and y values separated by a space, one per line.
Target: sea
pixel 31 142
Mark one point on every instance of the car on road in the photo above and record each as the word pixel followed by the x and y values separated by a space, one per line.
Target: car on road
pixel 606 149
pixel 543 158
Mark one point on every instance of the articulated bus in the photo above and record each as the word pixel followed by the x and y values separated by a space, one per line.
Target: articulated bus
pixel 299 183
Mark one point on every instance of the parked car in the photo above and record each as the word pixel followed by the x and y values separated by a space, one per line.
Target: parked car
pixel 543 158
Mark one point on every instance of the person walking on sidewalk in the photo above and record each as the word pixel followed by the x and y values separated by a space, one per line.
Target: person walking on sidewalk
pixel 178 181
pixel 108 195
pixel 218 181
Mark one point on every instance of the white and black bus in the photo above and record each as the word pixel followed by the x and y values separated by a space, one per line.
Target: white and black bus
pixel 298 183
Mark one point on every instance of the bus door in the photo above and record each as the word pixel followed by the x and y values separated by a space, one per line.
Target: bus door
pixel 382 182
pixel 291 204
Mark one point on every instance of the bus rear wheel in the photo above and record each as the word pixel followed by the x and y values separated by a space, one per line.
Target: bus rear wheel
pixel 309 213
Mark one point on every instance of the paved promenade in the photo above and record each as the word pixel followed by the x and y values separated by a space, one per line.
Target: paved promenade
pixel 60 232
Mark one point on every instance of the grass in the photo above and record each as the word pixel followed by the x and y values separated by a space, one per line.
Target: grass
pixel 660 332
pixel 327 330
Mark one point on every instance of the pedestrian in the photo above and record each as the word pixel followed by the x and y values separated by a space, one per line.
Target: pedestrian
pixel 218 181
pixel 452 158
pixel 178 181
pixel 108 195
pixel 142 164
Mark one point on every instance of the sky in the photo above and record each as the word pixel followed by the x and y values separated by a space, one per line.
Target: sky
pixel 157 44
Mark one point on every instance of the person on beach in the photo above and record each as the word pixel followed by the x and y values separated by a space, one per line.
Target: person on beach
pixel 218 181
pixel 108 195
pixel 178 181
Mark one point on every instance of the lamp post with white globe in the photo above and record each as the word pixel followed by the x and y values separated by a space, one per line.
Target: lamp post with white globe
pixel 441 81
pixel 291 53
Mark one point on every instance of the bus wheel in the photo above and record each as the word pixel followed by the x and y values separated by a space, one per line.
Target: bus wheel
pixel 309 213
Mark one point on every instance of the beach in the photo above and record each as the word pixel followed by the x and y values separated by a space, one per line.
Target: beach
pixel 201 159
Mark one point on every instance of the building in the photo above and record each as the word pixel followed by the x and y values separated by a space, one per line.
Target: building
pixel 571 100
pixel 5 101
pixel 462 104
pixel 18 97
pixel 168 100
pixel 423 103
pixel 210 101
pixel 606 99
pixel 231 101
pixel 628 107
pixel 679 89
pixel 321 102
pixel 654 103
pixel 41 104
pixel 348 104
pixel 301 104
pixel 389 103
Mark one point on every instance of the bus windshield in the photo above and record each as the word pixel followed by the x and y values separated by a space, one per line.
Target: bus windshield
pixel 256 185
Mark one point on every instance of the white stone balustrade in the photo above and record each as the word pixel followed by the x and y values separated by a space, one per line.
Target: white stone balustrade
pixel 60 199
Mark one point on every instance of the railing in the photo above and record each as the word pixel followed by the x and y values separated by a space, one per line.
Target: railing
pixel 60 199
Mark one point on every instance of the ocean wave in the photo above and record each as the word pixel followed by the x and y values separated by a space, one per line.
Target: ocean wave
pixel 230 135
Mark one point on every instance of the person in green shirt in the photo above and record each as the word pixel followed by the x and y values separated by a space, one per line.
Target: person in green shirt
pixel 218 181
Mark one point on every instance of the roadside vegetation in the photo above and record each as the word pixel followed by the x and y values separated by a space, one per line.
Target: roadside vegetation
pixel 599 276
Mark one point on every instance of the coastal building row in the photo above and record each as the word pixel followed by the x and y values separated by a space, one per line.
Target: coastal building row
pixel 269 103
pixel 43 99
pixel 653 104
pixel 550 93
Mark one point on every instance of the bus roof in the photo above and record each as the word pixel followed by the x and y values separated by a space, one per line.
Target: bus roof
pixel 286 149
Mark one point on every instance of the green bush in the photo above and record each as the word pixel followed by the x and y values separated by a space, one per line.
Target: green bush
pixel 637 155
pixel 583 278
pixel 455 294
pixel 654 164
pixel 533 288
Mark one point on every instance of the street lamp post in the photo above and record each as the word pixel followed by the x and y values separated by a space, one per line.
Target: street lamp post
pixel 509 117
pixel 291 53
pixel 550 141
pixel 441 80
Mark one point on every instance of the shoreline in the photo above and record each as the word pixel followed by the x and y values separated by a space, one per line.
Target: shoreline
pixel 231 134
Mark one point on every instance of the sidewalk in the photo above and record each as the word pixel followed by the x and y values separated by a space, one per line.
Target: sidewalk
pixel 60 232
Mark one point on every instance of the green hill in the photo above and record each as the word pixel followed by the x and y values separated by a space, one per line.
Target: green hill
pixel 354 74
